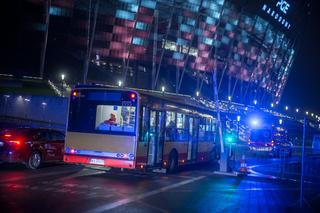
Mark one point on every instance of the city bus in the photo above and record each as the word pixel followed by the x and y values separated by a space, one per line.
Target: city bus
pixel 137 129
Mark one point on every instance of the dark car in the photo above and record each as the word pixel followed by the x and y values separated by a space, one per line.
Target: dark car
pixel 31 146
pixel 272 141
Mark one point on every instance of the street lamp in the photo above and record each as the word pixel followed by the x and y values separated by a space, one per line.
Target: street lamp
pixel 286 108
pixel 238 120
pixel 44 105
pixel 229 98
pixel 312 114
pixel 197 93
pixel 255 102
pixel 63 76
pixel 297 110
pixel 280 121
pixel 307 113
pixel 119 83
pixel 272 105
pixel 163 88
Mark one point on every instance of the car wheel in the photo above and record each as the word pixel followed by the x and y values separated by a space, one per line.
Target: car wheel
pixel 173 163
pixel 34 160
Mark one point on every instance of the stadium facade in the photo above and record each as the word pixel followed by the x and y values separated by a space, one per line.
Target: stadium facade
pixel 175 43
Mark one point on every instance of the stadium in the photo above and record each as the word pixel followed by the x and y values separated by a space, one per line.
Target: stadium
pixel 176 44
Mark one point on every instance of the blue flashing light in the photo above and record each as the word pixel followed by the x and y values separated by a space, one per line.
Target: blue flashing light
pixel 229 138
pixel 255 122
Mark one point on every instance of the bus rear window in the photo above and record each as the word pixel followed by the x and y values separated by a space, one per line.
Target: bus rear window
pixel 103 112
pixel 115 118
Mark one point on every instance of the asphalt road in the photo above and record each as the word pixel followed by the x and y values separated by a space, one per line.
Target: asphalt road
pixel 72 188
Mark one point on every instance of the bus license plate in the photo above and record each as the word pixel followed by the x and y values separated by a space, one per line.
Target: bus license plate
pixel 96 161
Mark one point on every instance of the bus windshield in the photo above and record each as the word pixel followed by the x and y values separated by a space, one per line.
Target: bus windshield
pixel 260 135
pixel 110 112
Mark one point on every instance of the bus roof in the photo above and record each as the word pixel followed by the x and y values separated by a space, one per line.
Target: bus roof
pixel 171 97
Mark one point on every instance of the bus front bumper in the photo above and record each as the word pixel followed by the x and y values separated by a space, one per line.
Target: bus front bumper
pixel 99 161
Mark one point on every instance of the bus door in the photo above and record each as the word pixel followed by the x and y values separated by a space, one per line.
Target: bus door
pixel 193 138
pixel 156 138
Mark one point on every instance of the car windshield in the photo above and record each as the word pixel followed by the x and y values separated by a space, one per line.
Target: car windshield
pixel 260 135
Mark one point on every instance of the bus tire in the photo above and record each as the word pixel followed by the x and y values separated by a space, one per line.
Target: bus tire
pixel 173 162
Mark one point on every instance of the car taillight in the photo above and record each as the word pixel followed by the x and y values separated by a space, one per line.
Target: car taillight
pixel 16 142
pixel 12 139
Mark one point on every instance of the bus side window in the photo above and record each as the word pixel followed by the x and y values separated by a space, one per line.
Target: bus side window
pixel 202 129
pixel 144 124
pixel 170 126
pixel 182 132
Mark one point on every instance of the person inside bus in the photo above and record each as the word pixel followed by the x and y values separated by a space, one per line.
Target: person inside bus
pixel 170 131
pixel 112 120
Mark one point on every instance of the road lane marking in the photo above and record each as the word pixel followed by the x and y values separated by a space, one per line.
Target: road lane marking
pixel 141 196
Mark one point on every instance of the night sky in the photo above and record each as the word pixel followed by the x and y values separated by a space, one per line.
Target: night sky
pixel 303 87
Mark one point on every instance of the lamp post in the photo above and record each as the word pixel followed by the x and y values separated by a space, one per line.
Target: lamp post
pixel 6 103
pixel 63 76
pixel 44 104
pixel 238 120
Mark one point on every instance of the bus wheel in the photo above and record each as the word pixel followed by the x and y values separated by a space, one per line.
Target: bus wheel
pixel 173 162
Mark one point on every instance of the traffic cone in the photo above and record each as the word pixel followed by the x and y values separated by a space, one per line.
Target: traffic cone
pixel 243 165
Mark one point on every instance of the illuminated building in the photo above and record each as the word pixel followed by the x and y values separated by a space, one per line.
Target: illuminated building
pixel 178 43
